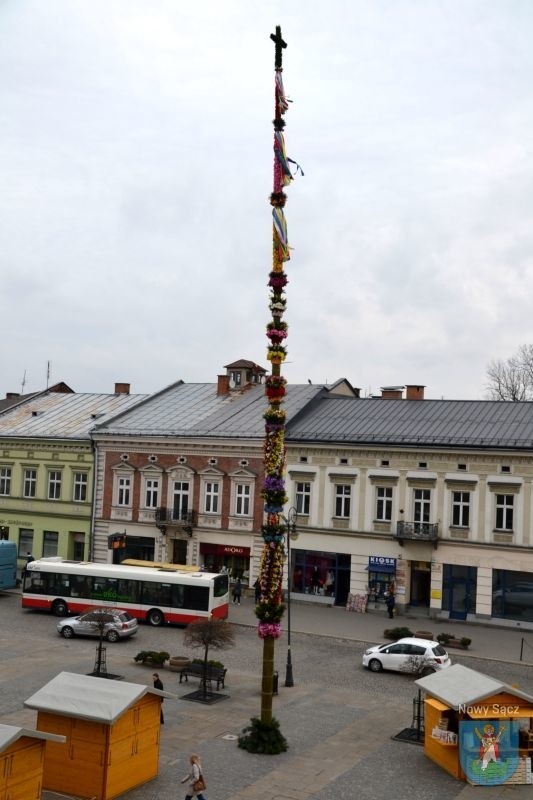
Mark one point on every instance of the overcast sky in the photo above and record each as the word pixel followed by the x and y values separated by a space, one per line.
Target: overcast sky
pixel 136 166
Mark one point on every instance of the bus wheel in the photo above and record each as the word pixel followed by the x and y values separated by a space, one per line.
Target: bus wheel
pixel 155 617
pixel 59 608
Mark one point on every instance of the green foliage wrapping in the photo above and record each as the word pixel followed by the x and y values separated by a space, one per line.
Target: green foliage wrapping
pixel 269 612
pixel 152 657
pixel 261 737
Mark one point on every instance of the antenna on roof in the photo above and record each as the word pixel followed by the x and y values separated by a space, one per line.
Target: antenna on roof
pixel 47 373
pixel 23 384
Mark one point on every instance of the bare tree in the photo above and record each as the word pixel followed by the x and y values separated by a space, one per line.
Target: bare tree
pixel 216 634
pixel 512 379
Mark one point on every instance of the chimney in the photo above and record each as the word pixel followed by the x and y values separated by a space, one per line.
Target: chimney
pixel 392 392
pixel 413 392
pixel 222 385
pixel 12 395
pixel 122 388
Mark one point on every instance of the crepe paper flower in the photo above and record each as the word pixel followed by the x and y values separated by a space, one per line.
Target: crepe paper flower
pixel 278 306
pixel 273 381
pixel 278 280
pixel 274 484
pixel 266 629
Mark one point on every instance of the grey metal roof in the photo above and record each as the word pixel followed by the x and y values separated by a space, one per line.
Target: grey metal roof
pixel 62 416
pixel 87 697
pixel 446 423
pixel 195 409
pixel 458 685
pixel 11 733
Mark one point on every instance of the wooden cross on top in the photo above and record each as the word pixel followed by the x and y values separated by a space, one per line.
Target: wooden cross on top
pixel 280 44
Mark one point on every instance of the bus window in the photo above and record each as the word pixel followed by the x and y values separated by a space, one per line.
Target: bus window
pixel 177 596
pixel 34 582
pixel 127 591
pixel 221 585
pixel 196 597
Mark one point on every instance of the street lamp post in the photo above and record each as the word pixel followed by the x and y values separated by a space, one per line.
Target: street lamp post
pixel 290 523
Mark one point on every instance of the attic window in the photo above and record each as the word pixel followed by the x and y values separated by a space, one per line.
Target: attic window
pixel 461 466
pixel 384 462
pixel 182 460
pixel 153 459
pixel 505 468
pixel 343 460
pixel 422 465
pixel 124 457
pixel 212 462
pixel 243 462
pixel 303 459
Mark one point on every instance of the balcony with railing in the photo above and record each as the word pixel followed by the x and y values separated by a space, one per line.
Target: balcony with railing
pixel 169 518
pixel 417 532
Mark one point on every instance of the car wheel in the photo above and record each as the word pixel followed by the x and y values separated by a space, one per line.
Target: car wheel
pixel 375 665
pixel 427 671
pixel 67 632
pixel 60 608
pixel 112 636
pixel 155 617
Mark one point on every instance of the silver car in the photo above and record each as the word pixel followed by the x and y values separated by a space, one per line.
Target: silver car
pixel 109 623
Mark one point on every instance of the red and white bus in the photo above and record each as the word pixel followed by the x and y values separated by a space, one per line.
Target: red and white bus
pixel 156 596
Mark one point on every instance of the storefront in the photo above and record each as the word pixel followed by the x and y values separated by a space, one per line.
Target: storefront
pixel 381 578
pixel 512 594
pixel 226 558
pixel 321 574
pixel 459 588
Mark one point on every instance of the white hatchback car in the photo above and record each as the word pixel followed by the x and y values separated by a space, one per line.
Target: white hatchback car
pixel 418 656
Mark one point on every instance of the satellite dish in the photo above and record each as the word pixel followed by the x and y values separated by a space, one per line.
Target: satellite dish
pixel 231 383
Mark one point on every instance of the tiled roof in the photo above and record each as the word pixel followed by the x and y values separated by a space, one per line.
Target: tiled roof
pixel 443 423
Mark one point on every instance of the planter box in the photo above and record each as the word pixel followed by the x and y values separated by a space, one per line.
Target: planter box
pixel 178 663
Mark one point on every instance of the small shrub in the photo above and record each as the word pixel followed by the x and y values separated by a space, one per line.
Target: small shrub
pixel 397 633
pixel 210 663
pixel 152 657
pixel 265 738
pixel 444 638
pixel 465 641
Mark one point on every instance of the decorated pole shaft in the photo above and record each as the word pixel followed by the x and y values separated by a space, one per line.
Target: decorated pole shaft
pixel 270 607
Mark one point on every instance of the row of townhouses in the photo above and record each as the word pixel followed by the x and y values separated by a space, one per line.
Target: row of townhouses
pixel 432 498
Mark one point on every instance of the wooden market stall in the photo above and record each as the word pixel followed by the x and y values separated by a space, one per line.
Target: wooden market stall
pixel 478 728
pixel 22 754
pixel 111 730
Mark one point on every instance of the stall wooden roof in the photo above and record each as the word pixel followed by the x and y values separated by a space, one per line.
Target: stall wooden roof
pixel 462 686
pixel 11 733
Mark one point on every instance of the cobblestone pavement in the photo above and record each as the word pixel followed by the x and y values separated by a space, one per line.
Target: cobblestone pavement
pixel 339 719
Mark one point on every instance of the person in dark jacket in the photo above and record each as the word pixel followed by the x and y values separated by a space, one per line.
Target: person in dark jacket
pixel 237 591
pixel 391 604
pixel 158 684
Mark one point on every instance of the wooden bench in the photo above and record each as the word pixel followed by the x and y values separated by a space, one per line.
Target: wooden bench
pixel 217 674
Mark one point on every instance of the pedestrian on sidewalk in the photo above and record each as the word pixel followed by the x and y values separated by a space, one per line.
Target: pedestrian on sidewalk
pixel 237 591
pixel 195 778
pixel 158 684
pixel 257 587
pixel 391 604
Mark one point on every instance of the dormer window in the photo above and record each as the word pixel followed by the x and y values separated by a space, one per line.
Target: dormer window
pixel 236 377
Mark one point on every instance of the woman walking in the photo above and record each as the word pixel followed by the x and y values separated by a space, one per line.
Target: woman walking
pixel 195 778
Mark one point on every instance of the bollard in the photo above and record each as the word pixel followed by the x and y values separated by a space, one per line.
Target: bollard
pixel 275 683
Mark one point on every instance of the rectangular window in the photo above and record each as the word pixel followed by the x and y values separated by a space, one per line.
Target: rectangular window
pixel 25 542
pixel 422 507
pixel 152 492
pixel 80 487
pixel 504 512
pixel 124 491
pixel 30 483
pixel 342 500
pixel 303 498
pixel 5 481
pixel 384 503
pixel 211 497
pixel 242 499
pixel 461 509
pixel 54 485
pixel 49 543
pixel 181 499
